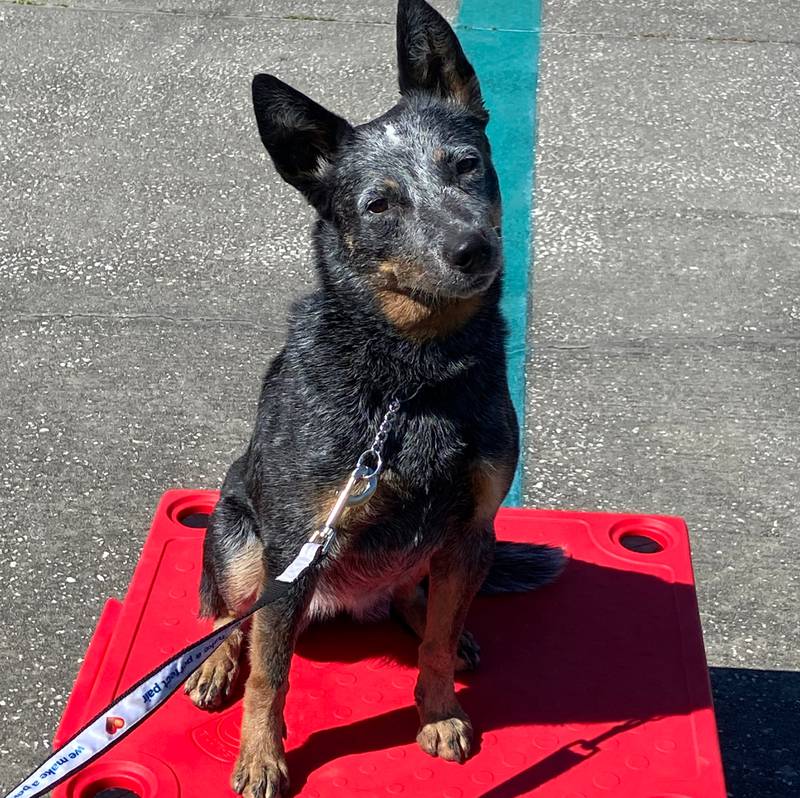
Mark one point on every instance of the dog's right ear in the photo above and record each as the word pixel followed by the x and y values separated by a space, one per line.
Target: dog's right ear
pixel 431 60
pixel 300 135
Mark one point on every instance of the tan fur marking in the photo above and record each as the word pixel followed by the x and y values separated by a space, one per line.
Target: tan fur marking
pixel 417 320
pixel 387 495
pixel 438 155
pixel 262 749
pixel 438 649
pixel 244 575
pixel 466 92
pixel 411 604
pixel 262 723
pixel 396 272
pixel 210 686
pixel 391 184
pixel 445 730
pixel 490 483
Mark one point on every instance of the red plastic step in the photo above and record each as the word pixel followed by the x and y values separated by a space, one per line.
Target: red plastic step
pixel 594 686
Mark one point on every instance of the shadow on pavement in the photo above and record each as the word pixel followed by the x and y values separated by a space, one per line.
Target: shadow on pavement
pixel 758 715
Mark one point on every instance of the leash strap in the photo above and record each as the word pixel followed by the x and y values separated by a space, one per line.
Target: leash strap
pixel 111 725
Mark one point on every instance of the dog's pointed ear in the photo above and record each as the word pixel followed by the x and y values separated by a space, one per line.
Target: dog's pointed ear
pixel 300 135
pixel 430 58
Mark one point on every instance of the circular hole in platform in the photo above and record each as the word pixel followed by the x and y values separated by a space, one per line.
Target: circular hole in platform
pixel 117 778
pixel 197 519
pixel 642 535
pixel 191 510
pixel 640 542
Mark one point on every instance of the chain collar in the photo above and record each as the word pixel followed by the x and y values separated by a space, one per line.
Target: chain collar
pixel 363 480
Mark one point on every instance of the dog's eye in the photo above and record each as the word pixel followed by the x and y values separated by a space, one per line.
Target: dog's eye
pixel 467 165
pixel 378 205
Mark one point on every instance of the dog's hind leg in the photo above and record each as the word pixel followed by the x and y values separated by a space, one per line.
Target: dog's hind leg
pixel 456 573
pixel 410 604
pixel 233 574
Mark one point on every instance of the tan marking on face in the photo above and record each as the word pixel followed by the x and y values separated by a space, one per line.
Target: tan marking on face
pixel 412 318
pixel 490 483
pixel 349 243
pixel 391 184
pixel 244 575
pixel 399 272
pixel 439 155
pixel 419 322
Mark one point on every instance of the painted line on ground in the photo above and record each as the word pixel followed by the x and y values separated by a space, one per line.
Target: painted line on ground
pixel 501 40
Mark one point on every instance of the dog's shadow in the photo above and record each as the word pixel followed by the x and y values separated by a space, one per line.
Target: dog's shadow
pixel 600 646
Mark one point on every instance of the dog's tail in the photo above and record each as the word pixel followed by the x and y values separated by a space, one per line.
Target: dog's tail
pixel 519 567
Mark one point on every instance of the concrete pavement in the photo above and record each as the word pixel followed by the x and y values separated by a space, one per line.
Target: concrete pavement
pixel 148 254
pixel 665 339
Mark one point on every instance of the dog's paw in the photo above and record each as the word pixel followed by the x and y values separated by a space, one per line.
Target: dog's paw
pixel 468 655
pixel 260 776
pixel 449 739
pixel 210 685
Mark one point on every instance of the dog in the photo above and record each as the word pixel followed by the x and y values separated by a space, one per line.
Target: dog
pixel 409 261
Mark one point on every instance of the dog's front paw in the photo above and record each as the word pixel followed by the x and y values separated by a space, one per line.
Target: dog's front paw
pixel 210 685
pixel 260 775
pixel 449 739
pixel 468 655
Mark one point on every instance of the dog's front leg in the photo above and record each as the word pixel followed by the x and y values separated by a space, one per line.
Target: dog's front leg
pixel 261 771
pixel 456 573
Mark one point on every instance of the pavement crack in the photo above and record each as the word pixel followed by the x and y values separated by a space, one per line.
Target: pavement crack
pixel 630 211
pixel 667 37
pixel 147 317
pixel 745 341
pixel 210 16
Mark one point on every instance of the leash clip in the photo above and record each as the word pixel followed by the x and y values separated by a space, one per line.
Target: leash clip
pixel 363 480
pixel 323 537
pixel 362 483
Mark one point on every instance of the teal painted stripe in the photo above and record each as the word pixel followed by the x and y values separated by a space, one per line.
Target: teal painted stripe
pixel 501 40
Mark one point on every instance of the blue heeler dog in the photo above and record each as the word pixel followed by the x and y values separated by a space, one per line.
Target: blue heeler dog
pixel 409 262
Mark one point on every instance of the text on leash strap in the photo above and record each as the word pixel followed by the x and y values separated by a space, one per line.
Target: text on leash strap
pixel 112 724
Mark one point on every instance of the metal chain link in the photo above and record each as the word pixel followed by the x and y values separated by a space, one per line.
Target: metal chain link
pixel 363 480
pixel 375 451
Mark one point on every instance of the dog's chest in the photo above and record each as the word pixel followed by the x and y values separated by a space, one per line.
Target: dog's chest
pixel 362 582
pixel 383 544
pixel 429 450
pixel 425 490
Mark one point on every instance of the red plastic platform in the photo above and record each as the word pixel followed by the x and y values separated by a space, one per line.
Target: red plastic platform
pixel 594 686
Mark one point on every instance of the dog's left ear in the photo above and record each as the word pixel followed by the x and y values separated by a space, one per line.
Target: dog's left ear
pixel 430 58
pixel 300 135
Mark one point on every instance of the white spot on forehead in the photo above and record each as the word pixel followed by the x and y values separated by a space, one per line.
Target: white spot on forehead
pixel 391 134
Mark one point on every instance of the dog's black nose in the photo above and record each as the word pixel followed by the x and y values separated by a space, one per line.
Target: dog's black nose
pixel 470 252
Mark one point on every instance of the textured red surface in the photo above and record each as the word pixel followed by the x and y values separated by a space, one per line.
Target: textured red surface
pixel 594 686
